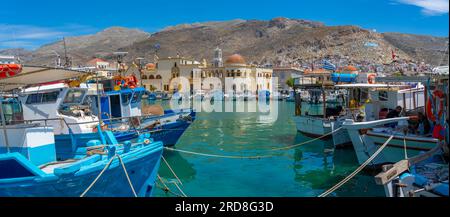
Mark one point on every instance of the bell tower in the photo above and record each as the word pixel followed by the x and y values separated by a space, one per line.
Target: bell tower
pixel 218 61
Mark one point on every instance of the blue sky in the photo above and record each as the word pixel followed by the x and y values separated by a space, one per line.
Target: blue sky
pixel 30 24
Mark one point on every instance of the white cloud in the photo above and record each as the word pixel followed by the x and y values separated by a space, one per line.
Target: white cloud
pixel 31 37
pixel 429 7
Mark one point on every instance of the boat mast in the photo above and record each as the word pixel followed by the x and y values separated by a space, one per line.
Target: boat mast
pixel 67 62
pixel 140 63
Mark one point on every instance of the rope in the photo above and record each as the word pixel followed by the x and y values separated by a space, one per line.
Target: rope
pixel 171 170
pixel 404 147
pixel 179 189
pixel 346 179
pixel 251 157
pixel 166 188
pixel 126 174
pixel 98 176
pixel 219 156
pixel 309 141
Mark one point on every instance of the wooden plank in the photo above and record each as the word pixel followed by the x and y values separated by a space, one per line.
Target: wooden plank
pixel 387 176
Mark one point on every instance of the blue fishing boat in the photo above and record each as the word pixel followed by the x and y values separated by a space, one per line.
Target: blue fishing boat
pixel 35 169
pixel 33 164
pixel 122 111
pixel 425 175
pixel 151 96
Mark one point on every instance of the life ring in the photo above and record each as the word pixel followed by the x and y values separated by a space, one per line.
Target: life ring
pixel 129 81
pixel 430 112
pixel 371 79
pixel 9 70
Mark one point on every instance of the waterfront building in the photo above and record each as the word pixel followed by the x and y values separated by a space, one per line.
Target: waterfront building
pixel 235 66
pixel 285 73
pixel 170 68
pixel 103 67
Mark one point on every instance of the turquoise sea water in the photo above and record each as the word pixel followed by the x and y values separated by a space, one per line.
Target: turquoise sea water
pixel 305 171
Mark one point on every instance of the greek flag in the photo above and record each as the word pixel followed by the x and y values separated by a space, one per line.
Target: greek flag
pixel 328 66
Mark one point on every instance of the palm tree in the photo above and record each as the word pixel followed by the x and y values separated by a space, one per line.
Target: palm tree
pixel 290 82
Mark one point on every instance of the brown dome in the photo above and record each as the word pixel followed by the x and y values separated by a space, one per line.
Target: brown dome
pixel 150 66
pixel 235 59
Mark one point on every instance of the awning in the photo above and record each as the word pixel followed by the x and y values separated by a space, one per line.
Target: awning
pixel 367 85
pixel 35 75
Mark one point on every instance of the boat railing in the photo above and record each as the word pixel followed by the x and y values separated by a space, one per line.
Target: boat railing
pixel 46 120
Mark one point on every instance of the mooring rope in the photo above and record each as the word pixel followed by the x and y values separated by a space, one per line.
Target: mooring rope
pixel 171 170
pixel 253 157
pixel 167 189
pixel 218 156
pixel 182 192
pixel 104 169
pixel 404 146
pixel 98 176
pixel 346 179
pixel 309 141
pixel 126 174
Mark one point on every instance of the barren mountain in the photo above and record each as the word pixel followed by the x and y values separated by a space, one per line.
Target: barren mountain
pixel 433 50
pixel 83 48
pixel 283 41
pixel 278 41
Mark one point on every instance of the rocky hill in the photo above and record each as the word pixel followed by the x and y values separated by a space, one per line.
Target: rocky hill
pixel 278 41
pixel 283 41
pixel 83 48
pixel 433 50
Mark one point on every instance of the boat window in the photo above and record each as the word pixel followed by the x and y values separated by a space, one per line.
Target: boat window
pixel 383 96
pixel 137 96
pixel 126 98
pixel 74 96
pixel 48 97
pixel 12 111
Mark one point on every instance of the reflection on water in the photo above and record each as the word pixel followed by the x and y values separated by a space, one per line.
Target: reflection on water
pixel 307 170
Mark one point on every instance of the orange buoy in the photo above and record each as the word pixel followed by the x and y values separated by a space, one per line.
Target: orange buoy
pixel 430 111
pixel 371 79
pixel 8 70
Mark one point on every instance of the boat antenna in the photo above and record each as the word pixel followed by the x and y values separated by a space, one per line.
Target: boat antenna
pixel 119 58
pixel 140 63
pixel 67 62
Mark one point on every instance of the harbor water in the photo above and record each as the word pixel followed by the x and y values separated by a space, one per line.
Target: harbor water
pixel 304 171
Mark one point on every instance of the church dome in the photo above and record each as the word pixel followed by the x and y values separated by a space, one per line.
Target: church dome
pixel 235 59
pixel 150 66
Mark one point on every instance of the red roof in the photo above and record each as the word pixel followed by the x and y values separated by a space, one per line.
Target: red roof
pixel 94 61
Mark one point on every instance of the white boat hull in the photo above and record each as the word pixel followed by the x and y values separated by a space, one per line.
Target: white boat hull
pixel 316 127
pixel 367 143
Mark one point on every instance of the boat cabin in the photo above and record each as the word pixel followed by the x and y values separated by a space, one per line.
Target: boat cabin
pixel 61 105
pixel 376 100
pixel 118 103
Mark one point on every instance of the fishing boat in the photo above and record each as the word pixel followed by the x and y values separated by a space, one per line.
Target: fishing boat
pixel 149 96
pixel 425 175
pixel 249 96
pixel 374 129
pixel 316 124
pixel 199 95
pixel 215 95
pixel 32 163
pixel 290 97
pixel 122 112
